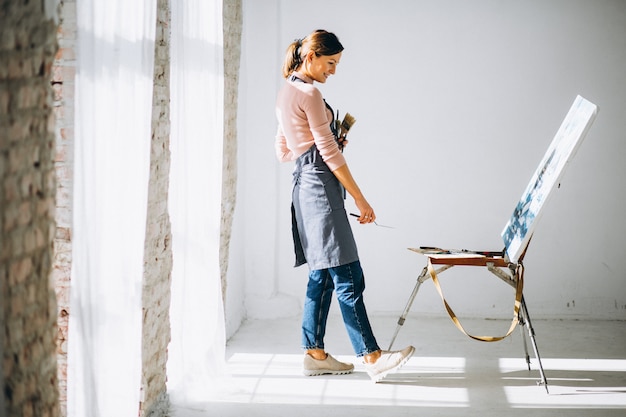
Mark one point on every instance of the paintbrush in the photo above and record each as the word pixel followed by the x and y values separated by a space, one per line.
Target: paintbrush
pixel 379 225
pixel 348 122
pixel 342 128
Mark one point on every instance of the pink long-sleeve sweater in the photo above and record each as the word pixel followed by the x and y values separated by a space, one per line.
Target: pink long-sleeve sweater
pixel 303 120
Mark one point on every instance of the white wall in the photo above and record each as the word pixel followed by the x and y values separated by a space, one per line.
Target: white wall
pixel 456 102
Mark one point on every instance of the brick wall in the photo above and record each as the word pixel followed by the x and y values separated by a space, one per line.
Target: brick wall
pixel 27 198
pixel 233 21
pixel 158 251
pixel 63 74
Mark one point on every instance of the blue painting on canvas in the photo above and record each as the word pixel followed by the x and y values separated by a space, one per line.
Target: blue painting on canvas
pixel 519 228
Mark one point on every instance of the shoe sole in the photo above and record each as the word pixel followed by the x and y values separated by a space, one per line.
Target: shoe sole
pixel 318 372
pixel 379 377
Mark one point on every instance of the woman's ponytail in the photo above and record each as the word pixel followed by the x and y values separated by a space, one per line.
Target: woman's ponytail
pixel 293 57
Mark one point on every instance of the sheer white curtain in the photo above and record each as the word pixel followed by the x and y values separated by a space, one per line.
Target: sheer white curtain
pixel 196 353
pixel 112 150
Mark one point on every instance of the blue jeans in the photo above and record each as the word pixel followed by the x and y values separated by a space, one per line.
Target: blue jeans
pixel 349 283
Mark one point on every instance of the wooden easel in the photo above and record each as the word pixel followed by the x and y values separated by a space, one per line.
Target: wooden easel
pixel 440 260
pixel 508 264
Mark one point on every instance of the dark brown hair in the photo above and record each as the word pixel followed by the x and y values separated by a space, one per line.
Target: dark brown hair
pixel 321 42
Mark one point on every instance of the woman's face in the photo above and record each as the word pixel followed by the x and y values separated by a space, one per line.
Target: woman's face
pixel 323 66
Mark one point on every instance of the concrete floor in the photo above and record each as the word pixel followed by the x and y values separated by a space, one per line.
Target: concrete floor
pixel 449 375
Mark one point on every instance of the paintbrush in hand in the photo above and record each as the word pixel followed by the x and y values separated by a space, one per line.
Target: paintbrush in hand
pixel 343 127
pixel 348 122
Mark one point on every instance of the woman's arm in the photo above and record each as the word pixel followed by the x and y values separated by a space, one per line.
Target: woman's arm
pixel 346 179
pixel 283 153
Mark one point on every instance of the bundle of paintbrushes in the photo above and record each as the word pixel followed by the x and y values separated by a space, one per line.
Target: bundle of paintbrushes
pixel 343 127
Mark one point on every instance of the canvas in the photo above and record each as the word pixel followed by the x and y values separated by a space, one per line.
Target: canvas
pixel 519 228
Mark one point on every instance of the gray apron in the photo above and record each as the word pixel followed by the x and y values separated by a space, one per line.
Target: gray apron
pixel 322 235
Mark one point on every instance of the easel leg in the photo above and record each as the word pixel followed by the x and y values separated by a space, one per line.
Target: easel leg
pixel 402 318
pixel 531 333
pixel 522 325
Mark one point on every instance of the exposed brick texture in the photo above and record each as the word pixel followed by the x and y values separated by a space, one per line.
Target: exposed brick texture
pixel 27 199
pixel 158 250
pixel 233 21
pixel 63 74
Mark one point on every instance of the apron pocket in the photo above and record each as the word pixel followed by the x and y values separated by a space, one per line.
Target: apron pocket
pixel 320 189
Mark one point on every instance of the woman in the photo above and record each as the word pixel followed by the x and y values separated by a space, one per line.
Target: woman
pixel 321 230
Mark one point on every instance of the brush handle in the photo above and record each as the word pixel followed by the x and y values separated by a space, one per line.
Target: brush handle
pixel 338 129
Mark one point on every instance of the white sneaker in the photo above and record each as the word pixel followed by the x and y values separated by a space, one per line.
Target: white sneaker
pixel 328 366
pixel 388 362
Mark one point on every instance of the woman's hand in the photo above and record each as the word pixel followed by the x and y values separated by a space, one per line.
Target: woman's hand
pixel 342 142
pixel 366 211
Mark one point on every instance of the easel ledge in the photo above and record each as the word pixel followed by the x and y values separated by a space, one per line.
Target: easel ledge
pixel 463 257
